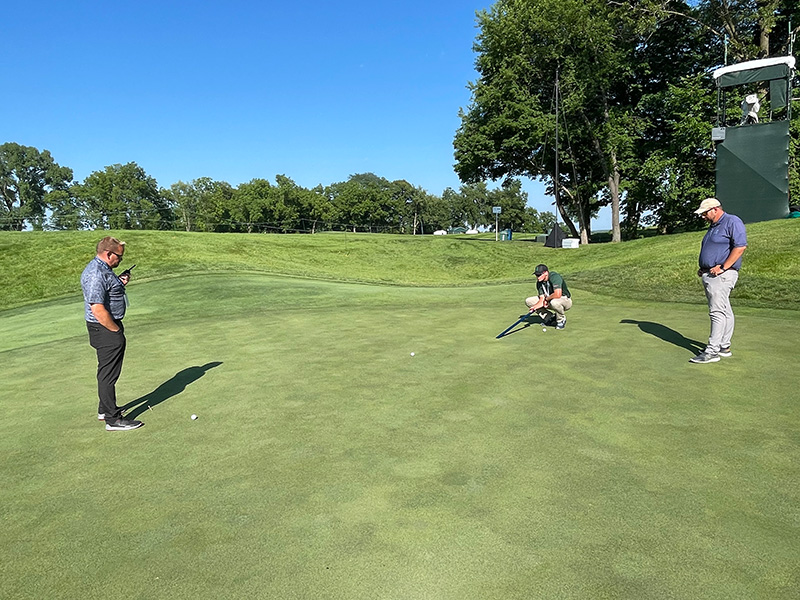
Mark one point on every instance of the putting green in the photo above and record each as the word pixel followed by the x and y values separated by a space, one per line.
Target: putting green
pixel 327 462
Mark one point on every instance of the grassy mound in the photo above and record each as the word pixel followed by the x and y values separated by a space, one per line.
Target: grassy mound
pixel 46 265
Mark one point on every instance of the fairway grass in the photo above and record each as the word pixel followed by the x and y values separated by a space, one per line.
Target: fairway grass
pixel 327 462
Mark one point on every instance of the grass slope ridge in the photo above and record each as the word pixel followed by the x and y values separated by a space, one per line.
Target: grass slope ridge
pixel 36 266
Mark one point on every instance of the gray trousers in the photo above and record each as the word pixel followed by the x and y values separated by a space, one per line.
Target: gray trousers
pixel 718 292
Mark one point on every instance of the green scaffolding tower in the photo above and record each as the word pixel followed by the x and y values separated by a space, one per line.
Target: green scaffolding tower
pixel 753 155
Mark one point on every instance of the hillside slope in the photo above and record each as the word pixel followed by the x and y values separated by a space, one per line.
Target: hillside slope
pixel 36 266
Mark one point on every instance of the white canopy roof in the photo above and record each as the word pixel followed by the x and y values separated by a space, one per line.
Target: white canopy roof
pixel 755 64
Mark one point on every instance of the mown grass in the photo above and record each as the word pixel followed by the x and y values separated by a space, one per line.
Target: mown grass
pixel 593 462
pixel 36 266
pixel 329 463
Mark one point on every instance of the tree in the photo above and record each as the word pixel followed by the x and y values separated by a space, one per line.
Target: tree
pixel 124 197
pixel 67 211
pixel 462 211
pixel 317 207
pixel 436 213
pixel 365 200
pixel 287 203
pixel 536 222
pixel 509 127
pixel 412 204
pixel 622 69
pixel 27 176
pixel 248 208
pixel 738 30
pixel 185 200
pixel 475 203
pixel 512 200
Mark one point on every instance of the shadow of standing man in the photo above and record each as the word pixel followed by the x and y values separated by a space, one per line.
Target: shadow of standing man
pixel 666 334
pixel 172 387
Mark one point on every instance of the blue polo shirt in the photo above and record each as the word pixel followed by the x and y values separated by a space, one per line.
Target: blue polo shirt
pixel 722 237
pixel 101 286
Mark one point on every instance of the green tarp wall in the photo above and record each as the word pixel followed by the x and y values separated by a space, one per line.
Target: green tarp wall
pixel 753 171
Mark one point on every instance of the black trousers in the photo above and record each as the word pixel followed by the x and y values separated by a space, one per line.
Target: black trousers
pixel 110 347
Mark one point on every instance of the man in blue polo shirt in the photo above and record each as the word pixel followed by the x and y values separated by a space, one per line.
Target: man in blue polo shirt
pixel 105 303
pixel 720 260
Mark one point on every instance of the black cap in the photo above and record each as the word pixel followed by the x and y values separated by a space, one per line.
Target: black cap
pixel 539 270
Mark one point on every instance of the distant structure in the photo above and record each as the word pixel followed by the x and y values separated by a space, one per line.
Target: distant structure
pixel 753 155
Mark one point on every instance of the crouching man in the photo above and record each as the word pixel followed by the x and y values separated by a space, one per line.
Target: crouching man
pixel 553 297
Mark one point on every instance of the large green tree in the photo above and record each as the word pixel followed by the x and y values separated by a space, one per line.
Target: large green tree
pixel 124 197
pixel 636 102
pixel 27 176
pixel 509 128
pixel 249 206
pixel 202 205
pixel 367 202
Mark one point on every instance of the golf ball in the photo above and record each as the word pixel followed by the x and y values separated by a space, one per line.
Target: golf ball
pixel 194 417
pixel 544 328
pixel 412 354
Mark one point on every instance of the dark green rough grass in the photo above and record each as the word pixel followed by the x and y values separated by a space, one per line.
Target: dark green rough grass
pixel 39 265
pixel 328 463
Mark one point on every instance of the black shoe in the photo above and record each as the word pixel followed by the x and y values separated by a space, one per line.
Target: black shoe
pixel 122 425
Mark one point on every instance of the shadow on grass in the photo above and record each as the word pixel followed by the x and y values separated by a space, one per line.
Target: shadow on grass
pixel 172 387
pixel 526 320
pixel 663 332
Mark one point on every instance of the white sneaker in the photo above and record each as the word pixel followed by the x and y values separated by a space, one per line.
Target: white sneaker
pixel 101 417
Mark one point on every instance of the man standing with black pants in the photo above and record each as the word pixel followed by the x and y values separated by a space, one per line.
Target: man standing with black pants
pixel 105 303
pixel 720 260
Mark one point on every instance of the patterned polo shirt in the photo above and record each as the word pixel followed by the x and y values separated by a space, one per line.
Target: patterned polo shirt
pixel 101 286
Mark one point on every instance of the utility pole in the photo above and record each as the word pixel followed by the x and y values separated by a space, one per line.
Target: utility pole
pixel 555 176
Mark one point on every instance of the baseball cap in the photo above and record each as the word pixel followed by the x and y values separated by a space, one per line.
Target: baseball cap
pixel 540 269
pixel 707 204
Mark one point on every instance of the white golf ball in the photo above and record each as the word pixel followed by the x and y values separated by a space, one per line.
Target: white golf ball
pixel 544 328
pixel 194 417
pixel 412 354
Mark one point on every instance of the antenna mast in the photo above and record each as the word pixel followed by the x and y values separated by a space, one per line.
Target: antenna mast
pixel 555 175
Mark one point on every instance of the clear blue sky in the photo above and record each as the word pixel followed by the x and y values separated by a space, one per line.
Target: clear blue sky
pixel 241 89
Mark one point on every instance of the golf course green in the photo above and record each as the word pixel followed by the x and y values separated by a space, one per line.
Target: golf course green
pixel 328 462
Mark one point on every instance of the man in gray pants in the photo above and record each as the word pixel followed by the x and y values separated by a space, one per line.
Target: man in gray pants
pixel 720 260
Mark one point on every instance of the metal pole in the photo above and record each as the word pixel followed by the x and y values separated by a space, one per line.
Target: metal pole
pixel 726 50
pixel 555 176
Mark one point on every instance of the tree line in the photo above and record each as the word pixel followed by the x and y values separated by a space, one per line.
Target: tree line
pixel 636 101
pixel 37 193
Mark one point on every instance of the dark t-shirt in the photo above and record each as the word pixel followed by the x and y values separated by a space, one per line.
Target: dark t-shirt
pixel 554 281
